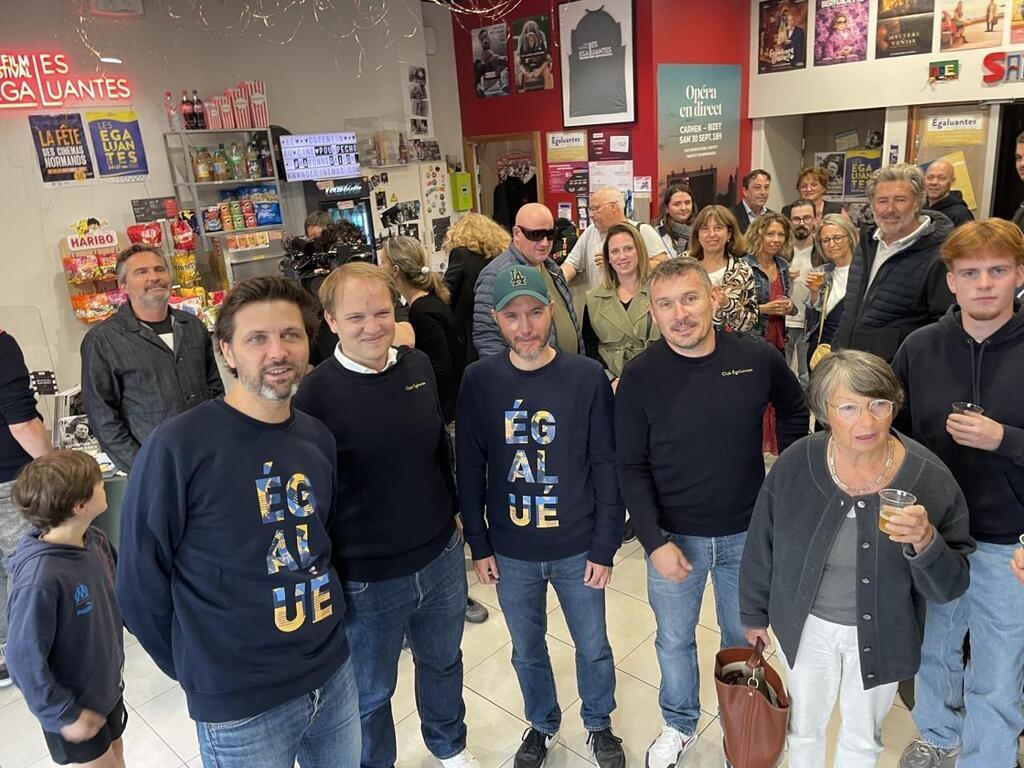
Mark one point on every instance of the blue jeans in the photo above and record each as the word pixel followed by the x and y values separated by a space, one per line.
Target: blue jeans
pixel 522 593
pixel 977 708
pixel 677 609
pixel 430 607
pixel 321 729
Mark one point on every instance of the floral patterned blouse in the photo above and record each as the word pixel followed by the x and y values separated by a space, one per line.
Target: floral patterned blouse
pixel 739 311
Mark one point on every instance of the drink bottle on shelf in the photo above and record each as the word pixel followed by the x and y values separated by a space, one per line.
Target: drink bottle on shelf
pixel 173 118
pixel 266 160
pixel 199 110
pixel 188 115
pixel 236 160
pixel 252 161
pixel 203 165
pixel 220 165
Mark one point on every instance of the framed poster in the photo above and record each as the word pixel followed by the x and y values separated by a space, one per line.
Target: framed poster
pixel 490 61
pixel 904 28
pixel 117 142
pixel 598 76
pixel 531 42
pixel 840 31
pixel 61 148
pixel 781 35
pixel 968 24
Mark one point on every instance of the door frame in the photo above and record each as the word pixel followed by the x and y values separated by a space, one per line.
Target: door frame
pixel 469 144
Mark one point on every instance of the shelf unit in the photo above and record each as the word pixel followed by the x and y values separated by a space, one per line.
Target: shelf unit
pixel 196 195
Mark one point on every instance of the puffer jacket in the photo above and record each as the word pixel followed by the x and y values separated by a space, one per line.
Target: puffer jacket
pixel 908 292
pixel 487 338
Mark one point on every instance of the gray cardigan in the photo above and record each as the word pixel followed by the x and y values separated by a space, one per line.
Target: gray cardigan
pixel 796 518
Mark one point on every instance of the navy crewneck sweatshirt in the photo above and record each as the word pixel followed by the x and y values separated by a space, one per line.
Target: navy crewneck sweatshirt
pixel 396 497
pixel 688 434
pixel 537 449
pixel 225 571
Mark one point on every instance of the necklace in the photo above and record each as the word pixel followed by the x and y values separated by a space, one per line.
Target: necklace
pixel 830 454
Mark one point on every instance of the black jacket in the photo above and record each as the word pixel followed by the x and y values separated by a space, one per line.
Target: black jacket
pixel 132 382
pixel 908 292
pixel 742 218
pixel 954 208
pixel 464 268
pixel 941 364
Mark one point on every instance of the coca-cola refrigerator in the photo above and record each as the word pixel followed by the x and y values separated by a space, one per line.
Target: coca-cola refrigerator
pixel 347 200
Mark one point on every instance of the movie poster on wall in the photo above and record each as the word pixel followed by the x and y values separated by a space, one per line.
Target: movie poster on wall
pixel 860 165
pixel 840 31
pixel 61 148
pixel 966 24
pixel 490 60
pixel 699 129
pixel 782 36
pixel 597 62
pixel 904 28
pixel 834 164
pixel 117 142
pixel 1017 22
pixel 531 46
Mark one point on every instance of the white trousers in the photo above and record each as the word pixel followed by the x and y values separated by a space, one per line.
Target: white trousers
pixel 828 664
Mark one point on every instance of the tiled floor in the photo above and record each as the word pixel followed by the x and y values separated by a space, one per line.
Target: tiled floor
pixel 160 735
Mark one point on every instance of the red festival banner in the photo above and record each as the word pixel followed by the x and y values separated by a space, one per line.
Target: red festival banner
pixel 36 80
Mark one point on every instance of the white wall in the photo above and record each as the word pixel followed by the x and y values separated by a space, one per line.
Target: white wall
pixel 444 90
pixel 900 81
pixel 314 83
pixel 778 148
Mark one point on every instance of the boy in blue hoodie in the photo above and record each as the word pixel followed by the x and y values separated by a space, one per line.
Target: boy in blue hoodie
pixel 65 650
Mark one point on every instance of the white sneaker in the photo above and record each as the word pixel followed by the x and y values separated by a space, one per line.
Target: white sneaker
pixel 464 759
pixel 668 748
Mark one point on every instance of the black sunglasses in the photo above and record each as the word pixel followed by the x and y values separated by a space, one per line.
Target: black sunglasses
pixel 536 235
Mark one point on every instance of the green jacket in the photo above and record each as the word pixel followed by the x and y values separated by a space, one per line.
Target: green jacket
pixel 621 334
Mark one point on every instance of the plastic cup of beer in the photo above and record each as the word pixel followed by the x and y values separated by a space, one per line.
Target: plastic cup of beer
pixel 964 407
pixel 794 273
pixel 890 502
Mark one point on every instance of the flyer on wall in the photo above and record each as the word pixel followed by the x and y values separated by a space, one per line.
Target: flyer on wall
pixel 117 142
pixel 1017 22
pixel 490 60
pixel 782 36
pixel 860 165
pixel 61 148
pixel 904 27
pixel 531 44
pixel 966 24
pixel 834 164
pixel 699 130
pixel 840 31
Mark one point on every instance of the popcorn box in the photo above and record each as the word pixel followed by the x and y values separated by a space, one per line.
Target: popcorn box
pixel 240 104
pixel 227 112
pixel 256 93
pixel 213 120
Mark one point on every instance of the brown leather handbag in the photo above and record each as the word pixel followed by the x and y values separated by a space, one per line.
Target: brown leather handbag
pixel 753 707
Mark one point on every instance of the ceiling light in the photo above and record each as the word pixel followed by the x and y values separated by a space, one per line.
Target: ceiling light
pixel 110 60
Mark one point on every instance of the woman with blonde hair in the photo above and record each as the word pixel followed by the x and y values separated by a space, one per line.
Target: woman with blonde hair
pixel 719 245
pixel 471 242
pixel 426 295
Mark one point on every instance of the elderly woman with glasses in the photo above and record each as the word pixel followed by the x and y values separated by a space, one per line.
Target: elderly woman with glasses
pixel 844 596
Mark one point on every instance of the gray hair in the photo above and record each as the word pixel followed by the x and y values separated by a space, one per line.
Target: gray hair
pixel 613 194
pixel 121 270
pixel 862 373
pixel 843 223
pixel 899 172
pixel 679 267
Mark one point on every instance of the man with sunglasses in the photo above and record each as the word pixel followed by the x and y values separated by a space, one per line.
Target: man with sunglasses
pixel 971 715
pixel 607 207
pixel 532 237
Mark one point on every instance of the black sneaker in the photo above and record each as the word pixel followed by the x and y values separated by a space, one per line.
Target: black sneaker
pixel 629 532
pixel 534 750
pixel 476 613
pixel 607 749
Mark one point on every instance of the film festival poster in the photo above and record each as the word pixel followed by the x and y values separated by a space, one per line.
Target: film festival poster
pixel 1017 23
pixel 698 129
pixel 840 31
pixel 490 60
pixel 966 24
pixel 61 148
pixel 860 165
pixel 834 164
pixel 531 46
pixel 904 28
pixel 117 142
pixel 782 36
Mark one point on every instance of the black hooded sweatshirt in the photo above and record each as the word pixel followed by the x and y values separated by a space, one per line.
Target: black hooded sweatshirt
pixel 941 364
pixel 954 207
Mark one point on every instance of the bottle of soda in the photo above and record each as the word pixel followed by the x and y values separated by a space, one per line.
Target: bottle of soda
pixel 220 165
pixel 266 160
pixel 188 115
pixel 252 161
pixel 173 118
pixel 236 160
pixel 199 110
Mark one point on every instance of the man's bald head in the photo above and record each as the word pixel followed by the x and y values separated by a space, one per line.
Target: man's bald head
pixel 607 207
pixel 534 221
pixel 938 180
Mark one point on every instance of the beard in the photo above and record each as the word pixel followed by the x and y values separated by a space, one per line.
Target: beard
pixel 801 233
pixel 277 392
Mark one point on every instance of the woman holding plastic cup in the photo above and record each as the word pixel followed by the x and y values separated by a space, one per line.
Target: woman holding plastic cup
pixel 845 599
pixel 826 284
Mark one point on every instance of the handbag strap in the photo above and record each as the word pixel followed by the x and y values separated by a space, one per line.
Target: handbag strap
pixel 756 660
pixel 821 316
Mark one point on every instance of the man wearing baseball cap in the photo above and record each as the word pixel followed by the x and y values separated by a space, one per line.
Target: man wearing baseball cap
pixel 535 459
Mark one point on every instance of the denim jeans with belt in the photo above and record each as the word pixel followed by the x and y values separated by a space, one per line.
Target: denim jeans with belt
pixel 677 608
pixel 522 593
pixel 429 606
pixel 978 707
pixel 321 729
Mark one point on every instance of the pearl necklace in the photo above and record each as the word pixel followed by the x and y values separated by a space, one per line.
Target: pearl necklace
pixel 830 454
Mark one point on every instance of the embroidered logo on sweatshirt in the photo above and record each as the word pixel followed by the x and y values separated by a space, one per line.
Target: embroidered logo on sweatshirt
pixel 83 600
pixel 417 385
pixel 737 371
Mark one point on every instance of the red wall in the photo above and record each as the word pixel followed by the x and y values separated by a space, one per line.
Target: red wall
pixel 706 32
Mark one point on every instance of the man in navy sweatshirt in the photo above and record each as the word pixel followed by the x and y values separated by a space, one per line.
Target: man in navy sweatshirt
pixel 688 415
pixel 225 572
pixel 396 546
pixel 975 354
pixel 535 448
